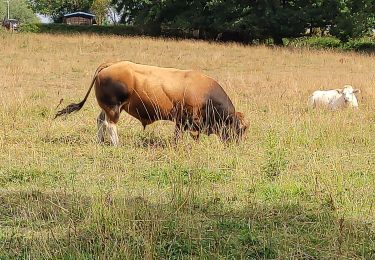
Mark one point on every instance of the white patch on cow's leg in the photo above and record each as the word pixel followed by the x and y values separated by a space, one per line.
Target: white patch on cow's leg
pixel 112 129
pixel 102 125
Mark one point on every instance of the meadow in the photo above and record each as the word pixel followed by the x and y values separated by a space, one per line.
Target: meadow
pixel 301 185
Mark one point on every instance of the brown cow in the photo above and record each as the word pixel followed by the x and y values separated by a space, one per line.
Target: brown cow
pixel 194 101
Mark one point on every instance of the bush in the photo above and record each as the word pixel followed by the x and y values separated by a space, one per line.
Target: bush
pixel 100 29
pixel 29 27
pixel 71 29
pixel 315 42
pixel 362 45
pixel 324 42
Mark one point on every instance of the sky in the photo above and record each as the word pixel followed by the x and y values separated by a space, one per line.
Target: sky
pixel 44 19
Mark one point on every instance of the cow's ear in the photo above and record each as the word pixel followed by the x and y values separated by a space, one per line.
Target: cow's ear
pixel 339 90
pixel 357 91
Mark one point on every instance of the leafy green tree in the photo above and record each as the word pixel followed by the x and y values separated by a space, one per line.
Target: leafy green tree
pixel 143 13
pixel 254 19
pixel 321 14
pixel 261 19
pixel 278 19
pixel 355 19
pixel 100 9
pixel 3 11
pixel 57 8
pixel 130 9
pixel 19 10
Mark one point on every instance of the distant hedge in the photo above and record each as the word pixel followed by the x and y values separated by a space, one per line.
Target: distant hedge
pixel 360 45
pixel 94 29
pixel 104 30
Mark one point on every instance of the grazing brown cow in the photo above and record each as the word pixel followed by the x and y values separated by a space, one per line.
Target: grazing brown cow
pixel 194 101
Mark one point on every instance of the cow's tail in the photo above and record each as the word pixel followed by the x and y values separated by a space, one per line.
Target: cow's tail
pixel 77 106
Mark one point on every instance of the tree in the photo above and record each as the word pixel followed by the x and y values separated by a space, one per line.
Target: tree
pixel 261 19
pixel 321 14
pixel 3 10
pixel 253 19
pixel 143 13
pixel 130 9
pixel 278 19
pixel 19 10
pixel 355 19
pixel 56 9
pixel 100 9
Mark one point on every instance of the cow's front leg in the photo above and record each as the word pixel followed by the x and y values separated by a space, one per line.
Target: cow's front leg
pixel 195 126
pixel 102 125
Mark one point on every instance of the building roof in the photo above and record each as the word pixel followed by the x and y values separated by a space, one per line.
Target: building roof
pixel 12 20
pixel 79 14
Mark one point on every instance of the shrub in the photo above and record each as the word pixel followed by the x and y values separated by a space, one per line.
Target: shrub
pixel 315 42
pixel 94 29
pixel 359 44
pixel 362 44
pixel 97 29
pixel 324 42
pixel 30 27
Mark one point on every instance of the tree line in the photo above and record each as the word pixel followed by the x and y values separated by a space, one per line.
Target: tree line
pixel 255 19
pixel 242 20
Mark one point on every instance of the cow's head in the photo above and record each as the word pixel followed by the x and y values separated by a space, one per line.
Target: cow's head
pixel 241 124
pixel 348 93
pixel 235 128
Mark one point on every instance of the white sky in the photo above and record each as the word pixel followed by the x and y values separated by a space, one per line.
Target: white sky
pixel 44 19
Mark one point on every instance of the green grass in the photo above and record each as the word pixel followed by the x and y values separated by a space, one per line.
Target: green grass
pixel 301 185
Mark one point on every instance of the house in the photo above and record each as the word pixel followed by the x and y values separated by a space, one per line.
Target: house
pixel 79 18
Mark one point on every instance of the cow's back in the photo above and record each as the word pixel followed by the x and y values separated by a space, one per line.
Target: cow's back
pixel 331 99
pixel 324 97
pixel 192 87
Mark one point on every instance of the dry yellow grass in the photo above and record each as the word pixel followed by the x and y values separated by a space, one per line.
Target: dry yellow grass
pixel 300 186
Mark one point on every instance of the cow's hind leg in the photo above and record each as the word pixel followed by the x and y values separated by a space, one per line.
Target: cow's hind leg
pixel 102 126
pixel 113 135
pixel 112 117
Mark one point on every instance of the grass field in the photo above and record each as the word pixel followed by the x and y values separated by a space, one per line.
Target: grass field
pixel 301 185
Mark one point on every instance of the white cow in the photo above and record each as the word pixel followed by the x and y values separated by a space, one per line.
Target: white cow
pixel 334 99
